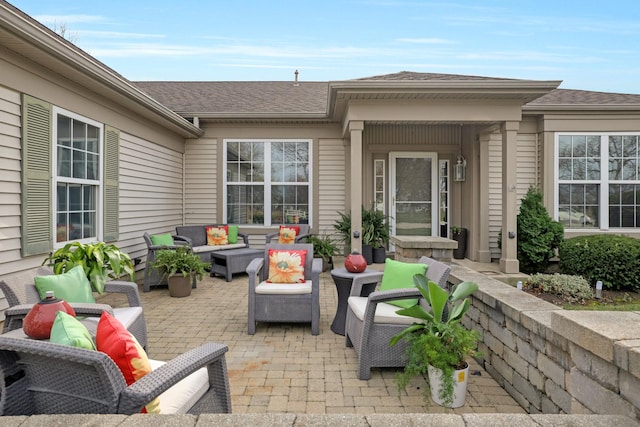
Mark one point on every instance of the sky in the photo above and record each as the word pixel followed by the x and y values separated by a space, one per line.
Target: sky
pixel 589 44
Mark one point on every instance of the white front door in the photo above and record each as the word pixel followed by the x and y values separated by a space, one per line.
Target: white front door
pixel 414 194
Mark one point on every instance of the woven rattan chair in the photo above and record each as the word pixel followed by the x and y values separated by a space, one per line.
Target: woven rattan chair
pixel 45 378
pixel 21 293
pixel 371 322
pixel 297 304
pixel 152 277
pixel 300 238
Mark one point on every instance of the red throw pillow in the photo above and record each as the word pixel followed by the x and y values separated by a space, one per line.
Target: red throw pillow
pixel 286 266
pixel 117 342
pixel 217 235
pixel 288 234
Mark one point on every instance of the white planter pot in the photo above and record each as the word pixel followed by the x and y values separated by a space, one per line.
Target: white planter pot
pixel 460 381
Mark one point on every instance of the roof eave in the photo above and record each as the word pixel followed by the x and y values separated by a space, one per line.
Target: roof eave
pixel 69 60
pixel 526 90
pixel 541 109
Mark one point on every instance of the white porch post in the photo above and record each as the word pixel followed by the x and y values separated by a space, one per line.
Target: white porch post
pixel 509 258
pixel 481 220
pixel 355 129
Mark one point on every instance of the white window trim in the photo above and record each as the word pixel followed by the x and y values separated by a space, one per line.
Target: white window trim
pixel 267 180
pixel 603 209
pixel 55 179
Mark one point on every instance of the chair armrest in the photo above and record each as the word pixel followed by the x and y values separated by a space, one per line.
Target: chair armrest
pixel 254 270
pixel 245 238
pixel 363 279
pixel 130 289
pixel 393 294
pixel 383 296
pixel 302 238
pixel 13 316
pixel 270 236
pixel 182 239
pixel 147 388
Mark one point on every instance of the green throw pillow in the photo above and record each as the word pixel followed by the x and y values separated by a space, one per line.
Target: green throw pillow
pixel 162 239
pixel 398 275
pixel 72 286
pixel 68 330
pixel 232 234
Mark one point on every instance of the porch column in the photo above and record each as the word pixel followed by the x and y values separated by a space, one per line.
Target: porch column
pixel 482 190
pixel 355 129
pixel 509 258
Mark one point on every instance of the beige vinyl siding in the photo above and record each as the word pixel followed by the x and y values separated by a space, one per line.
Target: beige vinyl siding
pixel 527 158
pixel 150 192
pixel 202 181
pixel 331 185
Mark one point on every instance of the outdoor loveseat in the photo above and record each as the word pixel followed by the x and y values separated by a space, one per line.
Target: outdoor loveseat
pixel 196 236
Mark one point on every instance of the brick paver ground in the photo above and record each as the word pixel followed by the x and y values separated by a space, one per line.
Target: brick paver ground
pixel 283 368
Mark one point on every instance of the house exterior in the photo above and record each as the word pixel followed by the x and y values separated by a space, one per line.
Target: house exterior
pixel 88 155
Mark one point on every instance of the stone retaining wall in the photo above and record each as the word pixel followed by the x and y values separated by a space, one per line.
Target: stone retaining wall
pixel 552 360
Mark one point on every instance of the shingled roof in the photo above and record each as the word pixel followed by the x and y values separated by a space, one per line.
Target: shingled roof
pixel 240 97
pixel 585 97
pixel 310 98
pixel 410 75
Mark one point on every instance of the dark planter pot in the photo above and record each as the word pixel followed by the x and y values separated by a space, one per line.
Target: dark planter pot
pixel 379 255
pixel 461 238
pixel 367 253
pixel 179 286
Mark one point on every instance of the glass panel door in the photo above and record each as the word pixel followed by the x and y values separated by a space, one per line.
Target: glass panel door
pixel 414 194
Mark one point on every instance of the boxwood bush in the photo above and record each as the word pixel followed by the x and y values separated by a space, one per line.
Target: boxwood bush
pixel 613 259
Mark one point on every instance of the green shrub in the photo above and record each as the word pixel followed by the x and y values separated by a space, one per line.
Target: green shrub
pixel 538 234
pixel 615 260
pixel 572 288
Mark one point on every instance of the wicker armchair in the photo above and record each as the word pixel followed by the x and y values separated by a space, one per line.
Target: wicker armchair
pixel 21 293
pixel 371 322
pixel 300 238
pixel 152 277
pixel 299 303
pixel 40 377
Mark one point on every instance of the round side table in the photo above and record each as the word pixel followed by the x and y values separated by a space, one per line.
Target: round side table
pixel 343 280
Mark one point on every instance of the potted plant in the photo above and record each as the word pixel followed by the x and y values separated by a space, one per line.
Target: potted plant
pixel 323 247
pixel 343 226
pixel 439 345
pixel 182 268
pixel 100 261
pixel 375 232
pixel 459 234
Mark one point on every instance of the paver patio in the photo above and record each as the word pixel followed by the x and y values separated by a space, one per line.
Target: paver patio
pixel 285 369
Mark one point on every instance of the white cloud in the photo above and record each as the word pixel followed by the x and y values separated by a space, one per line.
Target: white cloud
pixel 119 35
pixel 425 41
pixel 69 19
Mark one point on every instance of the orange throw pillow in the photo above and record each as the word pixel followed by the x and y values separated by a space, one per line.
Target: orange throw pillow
pixel 217 235
pixel 286 266
pixel 288 234
pixel 117 342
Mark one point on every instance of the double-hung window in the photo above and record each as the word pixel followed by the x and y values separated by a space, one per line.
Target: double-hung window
pixel 77 177
pixel 598 180
pixel 267 181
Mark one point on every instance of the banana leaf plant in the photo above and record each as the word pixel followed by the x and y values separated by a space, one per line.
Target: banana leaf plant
pixel 437 338
pixel 100 261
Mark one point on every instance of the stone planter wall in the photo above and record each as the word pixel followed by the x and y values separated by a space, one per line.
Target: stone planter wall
pixel 552 360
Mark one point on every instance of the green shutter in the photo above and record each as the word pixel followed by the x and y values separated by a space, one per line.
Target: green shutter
pixel 36 219
pixel 111 178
